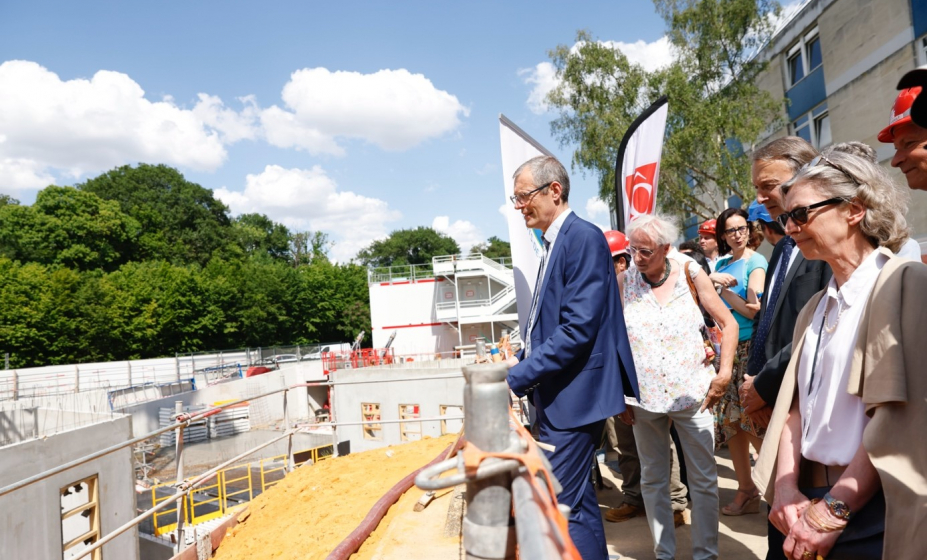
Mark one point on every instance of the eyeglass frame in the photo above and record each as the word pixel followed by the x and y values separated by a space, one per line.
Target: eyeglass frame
pixel 528 195
pixel 784 217
pixel 741 229
pixel 646 253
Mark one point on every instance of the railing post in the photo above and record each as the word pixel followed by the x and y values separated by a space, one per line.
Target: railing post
pixel 488 531
pixel 76 379
pixel 177 366
pixel 15 385
pixel 178 546
pixel 331 412
pixel 129 363
pixel 286 426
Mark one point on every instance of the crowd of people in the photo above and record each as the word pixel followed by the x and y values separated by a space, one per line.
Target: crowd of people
pixel 810 358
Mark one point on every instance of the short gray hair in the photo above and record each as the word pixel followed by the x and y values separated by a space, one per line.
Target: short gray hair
pixel 544 170
pixel 662 229
pixel 886 204
pixel 794 150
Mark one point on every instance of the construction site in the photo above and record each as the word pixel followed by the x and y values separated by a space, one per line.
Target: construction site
pixel 305 452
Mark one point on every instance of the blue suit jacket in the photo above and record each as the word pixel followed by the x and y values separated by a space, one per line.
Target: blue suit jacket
pixel 580 366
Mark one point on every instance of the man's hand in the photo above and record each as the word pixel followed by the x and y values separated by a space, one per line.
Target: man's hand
pixel 750 400
pixel 511 361
pixel 715 391
pixel 627 416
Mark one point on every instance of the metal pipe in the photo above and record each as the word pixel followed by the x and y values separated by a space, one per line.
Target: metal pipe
pixel 178 546
pixel 488 531
pixel 287 426
pixel 532 527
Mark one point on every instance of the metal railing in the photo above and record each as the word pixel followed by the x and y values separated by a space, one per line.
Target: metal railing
pixel 184 486
pixel 400 273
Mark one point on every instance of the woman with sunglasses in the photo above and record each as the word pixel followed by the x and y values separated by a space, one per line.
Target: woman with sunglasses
pixel 677 382
pixel 740 276
pixel 845 465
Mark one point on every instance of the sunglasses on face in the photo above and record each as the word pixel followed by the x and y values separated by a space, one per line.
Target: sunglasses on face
pixel 800 215
pixel 523 198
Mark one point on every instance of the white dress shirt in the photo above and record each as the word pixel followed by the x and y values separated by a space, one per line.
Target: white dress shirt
pixel 551 237
pixel 832 419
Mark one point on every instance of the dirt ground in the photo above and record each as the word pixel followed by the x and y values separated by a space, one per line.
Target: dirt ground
pixel 315 507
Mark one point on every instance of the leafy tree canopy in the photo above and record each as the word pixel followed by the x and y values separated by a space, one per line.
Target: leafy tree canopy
pixel 408 246
pixel 493 248
pixel 180 221
pixel 258 235
pixel 715 106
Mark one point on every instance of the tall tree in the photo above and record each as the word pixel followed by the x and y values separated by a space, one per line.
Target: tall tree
pixel 180 221
pixel 408 246
pixel 493 248
pixel 715 106
pixel 307 247
pixel 258 235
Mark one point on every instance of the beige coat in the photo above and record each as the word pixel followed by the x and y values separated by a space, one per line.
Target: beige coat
pixel 889 372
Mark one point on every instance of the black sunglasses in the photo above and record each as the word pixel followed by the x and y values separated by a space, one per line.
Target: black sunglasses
pixel 800 215
pixel 523 198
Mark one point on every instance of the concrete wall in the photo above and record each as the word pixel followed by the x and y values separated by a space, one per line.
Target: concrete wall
pixel 428 394
pixel 30 518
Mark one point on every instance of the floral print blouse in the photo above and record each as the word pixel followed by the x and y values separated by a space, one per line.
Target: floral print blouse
pixel 667 344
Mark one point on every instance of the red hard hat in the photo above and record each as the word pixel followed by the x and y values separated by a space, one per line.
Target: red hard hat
pixel 617 242
pixel 708 227
pixel 901 112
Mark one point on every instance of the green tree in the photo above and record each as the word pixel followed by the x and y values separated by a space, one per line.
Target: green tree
pixel 6 200
pixel 408 246
pixel 180 221
pixel 258 235
pixel 493 248
pixel 307 247
pixel 715 106
pixel 66 226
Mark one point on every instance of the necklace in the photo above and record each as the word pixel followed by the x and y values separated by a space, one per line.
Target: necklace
pixel 662 280
pixel 840 310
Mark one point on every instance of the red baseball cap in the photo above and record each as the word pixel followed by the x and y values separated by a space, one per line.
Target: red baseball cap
pixel 901 112
pixel 708 227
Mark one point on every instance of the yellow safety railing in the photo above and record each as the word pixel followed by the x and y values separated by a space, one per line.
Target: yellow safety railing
pixel 217 499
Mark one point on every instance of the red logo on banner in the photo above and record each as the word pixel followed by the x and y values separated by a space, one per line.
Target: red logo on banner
pixel 639 190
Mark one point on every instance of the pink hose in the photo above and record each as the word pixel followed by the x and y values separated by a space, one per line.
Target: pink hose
pixel 352 542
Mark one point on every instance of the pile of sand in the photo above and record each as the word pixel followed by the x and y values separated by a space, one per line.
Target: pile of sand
pixel 315 507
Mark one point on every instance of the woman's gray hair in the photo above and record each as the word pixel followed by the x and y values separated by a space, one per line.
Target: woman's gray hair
pixel 662 229
pixel 851 177
pixel 545 170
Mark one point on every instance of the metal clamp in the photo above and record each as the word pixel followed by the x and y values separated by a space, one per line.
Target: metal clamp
pixel 428 479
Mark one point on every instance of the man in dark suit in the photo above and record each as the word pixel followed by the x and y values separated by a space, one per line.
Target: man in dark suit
pixel 790 282
pixel 577 362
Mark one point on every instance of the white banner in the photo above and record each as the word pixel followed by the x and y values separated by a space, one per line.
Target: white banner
pixel 517 148
pixel 638 164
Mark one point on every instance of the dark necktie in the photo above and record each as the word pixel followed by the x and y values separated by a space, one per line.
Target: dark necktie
pixel 536 297
pixel 758 348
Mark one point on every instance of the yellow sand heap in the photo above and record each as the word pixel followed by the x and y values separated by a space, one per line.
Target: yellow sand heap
pixel 315 507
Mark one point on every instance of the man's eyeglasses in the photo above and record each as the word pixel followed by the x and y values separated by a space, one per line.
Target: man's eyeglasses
pixel 523 198
pixel 800 215
pixel 816 161
pixel 646 253
pixel 736 230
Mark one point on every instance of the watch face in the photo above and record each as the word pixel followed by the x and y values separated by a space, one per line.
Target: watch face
pixel 837 507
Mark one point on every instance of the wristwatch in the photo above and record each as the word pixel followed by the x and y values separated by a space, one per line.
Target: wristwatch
pixel 837 508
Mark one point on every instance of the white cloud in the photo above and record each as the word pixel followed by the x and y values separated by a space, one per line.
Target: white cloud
pixel 596 207
pixel 232 125
pixel 308 199
pixel 543 77
pixel 393 109
pixel 465 233
pixel 18 175
pixel 78 126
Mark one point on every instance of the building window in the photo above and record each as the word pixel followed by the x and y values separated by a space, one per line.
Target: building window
pixel 922 51
pixel 451 426
pixel 814 127
pixel 804 57
pixel 371 413
pixel 409 431
pixel 80 519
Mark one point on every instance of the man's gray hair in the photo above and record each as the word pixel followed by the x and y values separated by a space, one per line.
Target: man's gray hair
pixel 660 228
pixel 544 170
pixel 794 150
pixel 886 204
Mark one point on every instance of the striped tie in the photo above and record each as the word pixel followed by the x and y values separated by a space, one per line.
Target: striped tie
pixel 758 347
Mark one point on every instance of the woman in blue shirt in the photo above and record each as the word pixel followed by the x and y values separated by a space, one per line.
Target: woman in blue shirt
pixel 739 276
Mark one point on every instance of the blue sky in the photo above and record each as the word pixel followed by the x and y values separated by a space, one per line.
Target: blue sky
pixel 351 118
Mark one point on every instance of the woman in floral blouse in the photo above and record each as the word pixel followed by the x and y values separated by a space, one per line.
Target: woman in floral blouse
pixel 677 382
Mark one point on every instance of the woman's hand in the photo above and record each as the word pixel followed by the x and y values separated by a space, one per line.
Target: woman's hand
pixel 804 538
pixel 627 416
pixel 722 279
pixel 716 390
pixel 788 506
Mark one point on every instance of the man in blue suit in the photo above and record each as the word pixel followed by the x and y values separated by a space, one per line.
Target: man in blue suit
pixel 576 363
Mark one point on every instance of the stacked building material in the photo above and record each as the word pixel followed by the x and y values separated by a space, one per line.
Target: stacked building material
pixel 194 432
pixel 231 421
